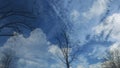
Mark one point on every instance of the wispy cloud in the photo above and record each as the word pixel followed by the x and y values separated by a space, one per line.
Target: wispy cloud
pixel 109 28
pixel 98 52
pixel 75 15
pixel 98 8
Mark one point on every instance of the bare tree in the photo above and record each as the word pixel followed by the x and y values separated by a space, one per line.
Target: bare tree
pixel 11 28
pixel 112 60
pixel 7 58
pixel 68 50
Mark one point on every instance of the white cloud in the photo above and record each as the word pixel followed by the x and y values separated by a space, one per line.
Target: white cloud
pixel 74 15
pixel 80 66
pixel 32 51
pixel 97 65
pixel 57 65
pixel 115 46
pixel 83 62
pixel 57 56
pixel 98 8
pixel 54 49
pixel 98 52
pixel 110 26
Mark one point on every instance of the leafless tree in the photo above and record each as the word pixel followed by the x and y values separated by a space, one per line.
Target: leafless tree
pixel 112 60
pixel 11 28
pixel 7 58
pixel 68 50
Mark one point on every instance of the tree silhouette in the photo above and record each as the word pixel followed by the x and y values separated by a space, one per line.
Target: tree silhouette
pixel 12 27
pixel 112 60
pixel 7 58
pixel 69 51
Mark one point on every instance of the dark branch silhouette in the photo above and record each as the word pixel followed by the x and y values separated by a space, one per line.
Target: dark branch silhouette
pixel 112 60
pixel 66 48
pixel 7 58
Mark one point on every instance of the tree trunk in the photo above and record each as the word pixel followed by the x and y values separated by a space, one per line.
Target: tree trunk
pixel 67 64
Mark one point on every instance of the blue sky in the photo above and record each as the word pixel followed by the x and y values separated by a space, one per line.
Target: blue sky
pixel 94 23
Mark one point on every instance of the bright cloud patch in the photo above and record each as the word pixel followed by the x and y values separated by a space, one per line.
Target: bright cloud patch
pixel 32 51
pixel 75 15
pixel 115 46
pixel 58 56
pixel 98 52
pixel 109 28
pixel 109 31
pixel 54 49
pixel 97 9
pixel 97 65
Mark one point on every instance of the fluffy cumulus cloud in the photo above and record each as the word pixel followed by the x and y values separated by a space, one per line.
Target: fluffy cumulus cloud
pixel 54 49
pixel 32 51
pixel 35 52
pixel 98 8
